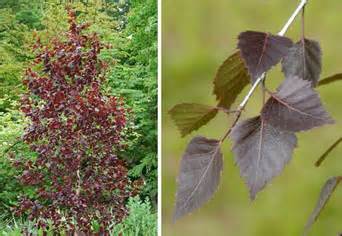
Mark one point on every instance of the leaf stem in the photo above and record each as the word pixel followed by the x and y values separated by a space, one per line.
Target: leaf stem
pixel 262 77
pixel 303 23
pixel 227 111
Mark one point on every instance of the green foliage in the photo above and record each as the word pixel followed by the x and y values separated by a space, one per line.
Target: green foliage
pixel 135 78
pixel 14 52
pixel 140 222
pixel 55 19
pixel 31 18
pixel 16 228
pixel 12 124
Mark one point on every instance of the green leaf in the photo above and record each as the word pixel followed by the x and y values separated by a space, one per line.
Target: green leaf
pixel 191 116
pixel 330 79
pixel 231 77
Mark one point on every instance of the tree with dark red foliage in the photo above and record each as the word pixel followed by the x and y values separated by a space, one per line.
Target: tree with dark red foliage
pixel 76 131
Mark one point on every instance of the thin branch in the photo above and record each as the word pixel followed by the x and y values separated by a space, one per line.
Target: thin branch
pixel 262 77
pixel 303 40
pixel 263 92
pixel 238 114
pixel 326 153
pixel 250 92
pixel 292 18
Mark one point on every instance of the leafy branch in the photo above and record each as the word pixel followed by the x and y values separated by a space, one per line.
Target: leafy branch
pixel 263 145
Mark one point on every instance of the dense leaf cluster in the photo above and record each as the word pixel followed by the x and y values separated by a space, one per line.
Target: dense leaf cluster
pixel 76 131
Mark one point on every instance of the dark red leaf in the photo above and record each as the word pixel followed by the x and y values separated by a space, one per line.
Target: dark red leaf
pixel 261 152
pixel 262 50
pixel 199 176
pixel 230 79
pixel 303 61
pixel 295 107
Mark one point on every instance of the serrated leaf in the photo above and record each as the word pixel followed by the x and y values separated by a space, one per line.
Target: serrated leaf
pixel 230 79
pixel 295 107
pixel 261 152
pixel 191 116
pixel 326 192
pixel 199 176
pixel 262 50
pixel 330 79
pixel 303 61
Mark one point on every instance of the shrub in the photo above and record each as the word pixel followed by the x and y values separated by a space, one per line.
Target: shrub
pixel 140 221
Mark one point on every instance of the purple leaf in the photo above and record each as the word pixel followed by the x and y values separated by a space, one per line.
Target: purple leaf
pixel 326 192
pixel 261 152
pixel 262 50
pixel 295 107
pixel 330 79
pixel 303 61
pixel 199 176
pixel 191 116
pixel 230 79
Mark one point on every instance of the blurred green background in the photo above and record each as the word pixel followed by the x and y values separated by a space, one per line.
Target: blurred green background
pixel 197 36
